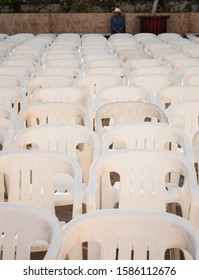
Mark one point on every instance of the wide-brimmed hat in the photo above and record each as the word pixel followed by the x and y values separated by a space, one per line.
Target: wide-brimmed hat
pixel 117 10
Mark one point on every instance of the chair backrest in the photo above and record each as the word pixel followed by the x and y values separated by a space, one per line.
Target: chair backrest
pixel 142 62
pixel 152 82
pixel 171 94
pixel 4 140
pixel 10 81
pixel 146 179
pixel 46 82
pixel 63 94
pixel 23 73
pixel 21 225
pixel 192 80
pixel 13 98
pixel 129 234
pixel 78 142
pixel 163 70
pixel 6 117
pixel 103 63
pixel 122 93
pixel 185 114
pixel 52 113
pixel 33 177
pixel 189 71
pixel 179 64
pixel 60 70
pixel 129 111
pixel 94 83
pixel 153 136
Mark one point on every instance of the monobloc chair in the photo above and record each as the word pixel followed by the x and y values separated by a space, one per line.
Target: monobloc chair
pixel 117 71
pixel 64 94
pixel 152 82
pixel 146 181
pixel 161 70
pixel 4 140
pixel 21 225
pixel 147 136
pixel 126 234
pixel 94 83
pixel 185 115
pixel 23 73
pixel 189 71
pixel 52 113
pixel 179 64
pixel 114 62
pixel 60 70
pixel 171 94
pixel 6 117
pixel 10 81
pixel 192 80
pixel 142 62
pixel 13 98
pixel 76 141
pixel 122 93
pixel 42 178
pixel 195 145
pixel 46 82
pixel 126 112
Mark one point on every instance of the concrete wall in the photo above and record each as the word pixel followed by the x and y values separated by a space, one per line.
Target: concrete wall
pixel 12 23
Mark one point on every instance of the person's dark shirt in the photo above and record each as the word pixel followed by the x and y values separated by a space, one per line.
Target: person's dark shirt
pixel 117 24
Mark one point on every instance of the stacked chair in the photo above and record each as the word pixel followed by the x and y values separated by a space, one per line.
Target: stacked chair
pixel 99 147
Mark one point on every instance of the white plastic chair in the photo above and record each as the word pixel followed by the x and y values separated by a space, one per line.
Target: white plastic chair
pixel 158 70
pixel 128 234
pixel 6 118
pixel 130 54
pixel 142 62
pixel 42 178
pixel 23 73
pixel 61 70
pixel 192 80
pixel 171 94
pixel 78 142
pixel 32 65
pixel 94 83
pixel 4 140
pixel 159 53
pixel 52 113
pixel 195 145
pixel 194 52
pixel 97 56
pixel 75 63
pixel 122 93
pixel 116 71
pixel 145 181
pixel 189 71
pixel 46 82
pixel 139 36
pixel 147 136
pixel 169 35
pixel 103 63
pixel 172 57
pixel 12 98
pixel 10 81
pixel 64 94
pixel 126 112
pixel 22 225
pixel 185 115
pixel 179 64
pixel 152 82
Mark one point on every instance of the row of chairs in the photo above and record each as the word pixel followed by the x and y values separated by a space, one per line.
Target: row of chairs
pixel 82 163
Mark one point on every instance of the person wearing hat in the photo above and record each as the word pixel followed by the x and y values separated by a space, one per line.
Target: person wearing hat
pixel 117 22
